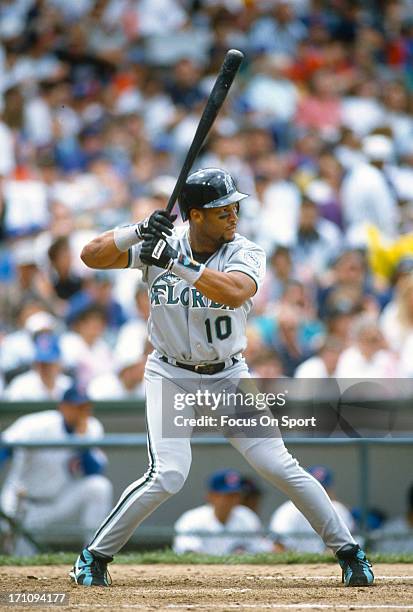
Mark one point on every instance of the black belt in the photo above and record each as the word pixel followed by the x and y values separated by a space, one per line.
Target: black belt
pixel 206 368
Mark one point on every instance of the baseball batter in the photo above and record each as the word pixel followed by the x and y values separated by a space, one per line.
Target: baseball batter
pixel 201 280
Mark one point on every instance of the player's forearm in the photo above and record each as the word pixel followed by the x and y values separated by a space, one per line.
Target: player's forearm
pixel 223 287
pixel 102 253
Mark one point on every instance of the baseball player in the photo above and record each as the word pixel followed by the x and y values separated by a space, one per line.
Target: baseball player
pixel 48 488
pixel 201 280
pixel 222 514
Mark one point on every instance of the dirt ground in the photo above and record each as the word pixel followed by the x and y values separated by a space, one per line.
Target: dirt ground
pixel 216 587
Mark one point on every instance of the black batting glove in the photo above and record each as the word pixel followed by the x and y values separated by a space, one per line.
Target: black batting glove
pixel 156 251
pixel 159 224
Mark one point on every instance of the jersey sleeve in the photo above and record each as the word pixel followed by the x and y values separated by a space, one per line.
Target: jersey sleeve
pixel 249 259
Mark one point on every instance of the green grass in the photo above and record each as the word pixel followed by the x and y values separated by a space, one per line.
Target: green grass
pixel 169 557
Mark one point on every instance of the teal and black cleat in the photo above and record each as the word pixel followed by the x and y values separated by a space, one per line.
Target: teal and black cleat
pixel 356 567
pixel 91 570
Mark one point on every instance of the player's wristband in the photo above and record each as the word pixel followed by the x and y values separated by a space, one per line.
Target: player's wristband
pixel 125 237
pixel 187 268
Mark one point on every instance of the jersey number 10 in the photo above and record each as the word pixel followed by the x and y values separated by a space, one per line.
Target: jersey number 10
pixel 223 328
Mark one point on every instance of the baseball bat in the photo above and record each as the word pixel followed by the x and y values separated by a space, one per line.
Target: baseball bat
pixel 229 68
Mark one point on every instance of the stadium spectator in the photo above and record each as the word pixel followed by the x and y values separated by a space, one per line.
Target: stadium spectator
pixel 125 382
pixel 207 529
pixel 321 109
pixel 368 194
pixel 28 281
pixel 65 282
pixel 368 355
pixel 17 347
pixel 278 30
pixel 324 364
pixel 45 380
pixel 317 241
pixel 348 282
pixel 85 352
pixel 55 490
pixel 271 98
pixel 339 318
pixel 279 273
pixel 292 531
pixel 396 535
pixel 396 320
pixel 98 105
pixel 136 326
pixel 266 364
pixel 292 327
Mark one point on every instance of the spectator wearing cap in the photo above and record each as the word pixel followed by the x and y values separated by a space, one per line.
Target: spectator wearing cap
pixel 368 355
pixel 85 352
pixel 55 490
pixel 17 347
pixel 322 365
pixel 222 514
pixel 367 195
pixel 292 531
pixel 45 380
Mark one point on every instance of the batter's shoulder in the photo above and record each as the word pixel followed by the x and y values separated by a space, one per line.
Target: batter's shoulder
pixel 241 242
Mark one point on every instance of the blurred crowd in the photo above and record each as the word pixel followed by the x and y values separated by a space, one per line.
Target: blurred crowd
pixel 99 100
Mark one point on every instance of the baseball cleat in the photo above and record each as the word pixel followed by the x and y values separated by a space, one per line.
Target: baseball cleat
pixel 356 567
pixel 91 570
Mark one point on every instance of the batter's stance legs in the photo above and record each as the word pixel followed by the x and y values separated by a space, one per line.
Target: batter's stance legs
pixel 271 459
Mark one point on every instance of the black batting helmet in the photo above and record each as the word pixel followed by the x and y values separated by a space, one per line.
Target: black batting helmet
pixel 208 188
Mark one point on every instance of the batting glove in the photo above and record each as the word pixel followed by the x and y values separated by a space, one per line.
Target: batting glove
pixel 159 224
pixel 157 252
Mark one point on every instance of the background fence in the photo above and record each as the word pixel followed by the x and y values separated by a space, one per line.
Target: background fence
pixel 369 472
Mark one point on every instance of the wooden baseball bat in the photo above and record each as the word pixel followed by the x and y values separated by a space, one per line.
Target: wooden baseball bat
pixel 229 68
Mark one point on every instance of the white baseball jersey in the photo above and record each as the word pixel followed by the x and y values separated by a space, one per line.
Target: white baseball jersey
pixel 287 521
pixel 40 474
pixel 186 325
pixel 241 519
pixel 29 386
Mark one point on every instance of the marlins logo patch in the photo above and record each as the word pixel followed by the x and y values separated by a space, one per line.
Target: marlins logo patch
pixel 252 259
pixel 170 278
